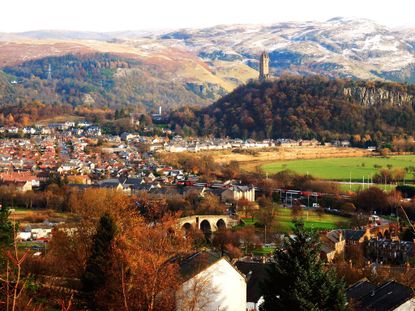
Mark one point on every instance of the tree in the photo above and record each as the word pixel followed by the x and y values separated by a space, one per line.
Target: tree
pixel 408 235
pixel 297 280
pixel 371 199
pixel 7 230
pixel 224 239
pixel 296 210
pixel 12 280
pixel 266 212
pixel 320 211
pixel 143 275
pixel 231 170
pixel 95 275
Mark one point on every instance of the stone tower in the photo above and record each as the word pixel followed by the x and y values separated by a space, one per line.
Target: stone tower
pixel 264 66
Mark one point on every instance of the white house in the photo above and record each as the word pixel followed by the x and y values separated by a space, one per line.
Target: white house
pixel 236 193
pixel 211 284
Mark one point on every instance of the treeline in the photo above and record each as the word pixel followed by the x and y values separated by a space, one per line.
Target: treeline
pixel 306 108
pixel 112 121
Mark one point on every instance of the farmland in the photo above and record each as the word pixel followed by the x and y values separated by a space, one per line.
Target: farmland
pixel 342 169
pixel 250 161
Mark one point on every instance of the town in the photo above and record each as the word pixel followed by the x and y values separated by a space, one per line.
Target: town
pixel 58 160
pixel 216 156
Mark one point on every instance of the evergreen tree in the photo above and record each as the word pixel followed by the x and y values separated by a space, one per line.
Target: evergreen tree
pixel 95 275
pixel 297 280
pixel 7 230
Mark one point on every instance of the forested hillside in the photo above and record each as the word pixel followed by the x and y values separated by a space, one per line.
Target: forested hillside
pixel 99 80
pixel 306 107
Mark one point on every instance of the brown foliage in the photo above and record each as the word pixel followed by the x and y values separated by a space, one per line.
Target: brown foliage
pixel 144 278
pixel 371 199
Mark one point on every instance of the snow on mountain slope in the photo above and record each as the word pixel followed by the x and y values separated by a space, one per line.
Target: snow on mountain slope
pixel 356 47
pixel 218 59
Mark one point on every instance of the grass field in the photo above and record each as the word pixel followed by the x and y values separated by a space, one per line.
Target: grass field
pixel 263 251
pixel 251 161
pixel 342 168
pixel 284 220
pixel 358 187
pixel 32 216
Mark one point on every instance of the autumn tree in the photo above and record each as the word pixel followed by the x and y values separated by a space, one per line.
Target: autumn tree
pixel 249 238
pixel 231 170
pixel 143 275
pixel 69 250
pixel 266 212
pixel 371 199
pixel 210 204
pixel 296 210
pixel 153 209
pixel 226 240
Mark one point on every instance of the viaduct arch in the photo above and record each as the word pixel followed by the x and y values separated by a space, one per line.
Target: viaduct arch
pixel 206 223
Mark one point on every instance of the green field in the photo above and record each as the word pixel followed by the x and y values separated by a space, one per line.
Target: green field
pixel 342 169
pixel 284 220
pixel 358 187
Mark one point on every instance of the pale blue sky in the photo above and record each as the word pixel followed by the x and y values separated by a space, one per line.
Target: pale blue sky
pixel 113 15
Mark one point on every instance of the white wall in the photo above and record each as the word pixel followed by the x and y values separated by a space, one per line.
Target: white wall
pixel 407 306
pixel 219 287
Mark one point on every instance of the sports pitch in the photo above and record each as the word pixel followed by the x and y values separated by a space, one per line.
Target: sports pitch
pixel 342 169
pixel 284 220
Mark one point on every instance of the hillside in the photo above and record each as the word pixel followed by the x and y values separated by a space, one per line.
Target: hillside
pixel 155 75
pixel 306 107
pixel 198 66
pixel 101 79
pixel 340 47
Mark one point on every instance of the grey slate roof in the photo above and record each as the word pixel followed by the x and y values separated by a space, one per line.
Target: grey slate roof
pixel 195 263
pixel 353 235
pixel 385 297
pixel 255 273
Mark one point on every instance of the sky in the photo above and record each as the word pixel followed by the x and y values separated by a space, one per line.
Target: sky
pixel 117 15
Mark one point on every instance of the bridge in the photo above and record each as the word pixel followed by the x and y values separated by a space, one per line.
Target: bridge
pixel 207 223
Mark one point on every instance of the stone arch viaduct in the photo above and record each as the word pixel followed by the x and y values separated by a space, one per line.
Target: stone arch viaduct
pixel 207 223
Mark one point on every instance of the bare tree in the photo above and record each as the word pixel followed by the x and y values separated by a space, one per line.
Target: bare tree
pixel 14 283
pixel 196 294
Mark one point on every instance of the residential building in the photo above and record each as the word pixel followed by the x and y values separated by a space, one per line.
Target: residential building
pixel 332 245
pixel 211 284
pixel 390 251
pixel 236 192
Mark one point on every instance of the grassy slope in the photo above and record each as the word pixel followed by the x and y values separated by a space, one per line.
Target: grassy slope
pixel 340 168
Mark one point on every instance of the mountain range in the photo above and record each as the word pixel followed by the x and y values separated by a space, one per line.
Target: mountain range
pixel 198 66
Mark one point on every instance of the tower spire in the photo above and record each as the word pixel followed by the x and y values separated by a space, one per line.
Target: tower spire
pixel 264 66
